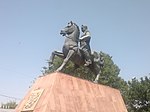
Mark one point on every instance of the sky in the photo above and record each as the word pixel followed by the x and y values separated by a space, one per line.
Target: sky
pixel 29 32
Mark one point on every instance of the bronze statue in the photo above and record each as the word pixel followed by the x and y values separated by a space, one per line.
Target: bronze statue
pixel 71 51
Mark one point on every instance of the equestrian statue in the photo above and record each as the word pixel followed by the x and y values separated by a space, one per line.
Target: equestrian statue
pixel 79 55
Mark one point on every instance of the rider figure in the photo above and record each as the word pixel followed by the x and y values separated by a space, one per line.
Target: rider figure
pixel 85 45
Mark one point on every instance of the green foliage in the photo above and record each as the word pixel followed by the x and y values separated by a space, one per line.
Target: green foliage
pixel 9 105
pixel 108 76
pixel 139 95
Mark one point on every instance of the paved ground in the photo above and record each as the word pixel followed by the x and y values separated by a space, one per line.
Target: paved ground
pixel 7 110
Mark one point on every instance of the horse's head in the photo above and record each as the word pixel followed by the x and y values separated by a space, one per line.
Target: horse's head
pixel 69 29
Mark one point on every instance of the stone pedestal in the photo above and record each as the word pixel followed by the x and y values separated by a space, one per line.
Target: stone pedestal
pixel 58 92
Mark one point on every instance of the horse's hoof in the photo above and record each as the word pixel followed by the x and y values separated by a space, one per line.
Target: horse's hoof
pixel 58 70
pixel 96 81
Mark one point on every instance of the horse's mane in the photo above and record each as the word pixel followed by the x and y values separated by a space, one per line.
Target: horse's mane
pixel 77 27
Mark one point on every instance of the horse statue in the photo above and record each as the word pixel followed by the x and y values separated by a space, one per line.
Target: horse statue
pixel 71 51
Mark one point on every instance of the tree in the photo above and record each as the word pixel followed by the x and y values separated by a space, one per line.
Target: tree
pixel 139 95
pixel 9 105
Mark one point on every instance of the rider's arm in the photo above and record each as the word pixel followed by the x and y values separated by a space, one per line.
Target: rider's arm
pixel 85 36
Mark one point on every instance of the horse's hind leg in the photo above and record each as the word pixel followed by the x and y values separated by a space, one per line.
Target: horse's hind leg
pixel 70 53
pixel 97 77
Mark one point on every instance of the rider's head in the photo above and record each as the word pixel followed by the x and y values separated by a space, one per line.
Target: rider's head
pixel 83 28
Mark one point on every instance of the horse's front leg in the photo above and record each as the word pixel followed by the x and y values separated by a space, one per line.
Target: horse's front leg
pixel 55 53
pixel 70 53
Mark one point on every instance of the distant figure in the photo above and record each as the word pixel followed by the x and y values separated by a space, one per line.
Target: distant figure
pixel 85 45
